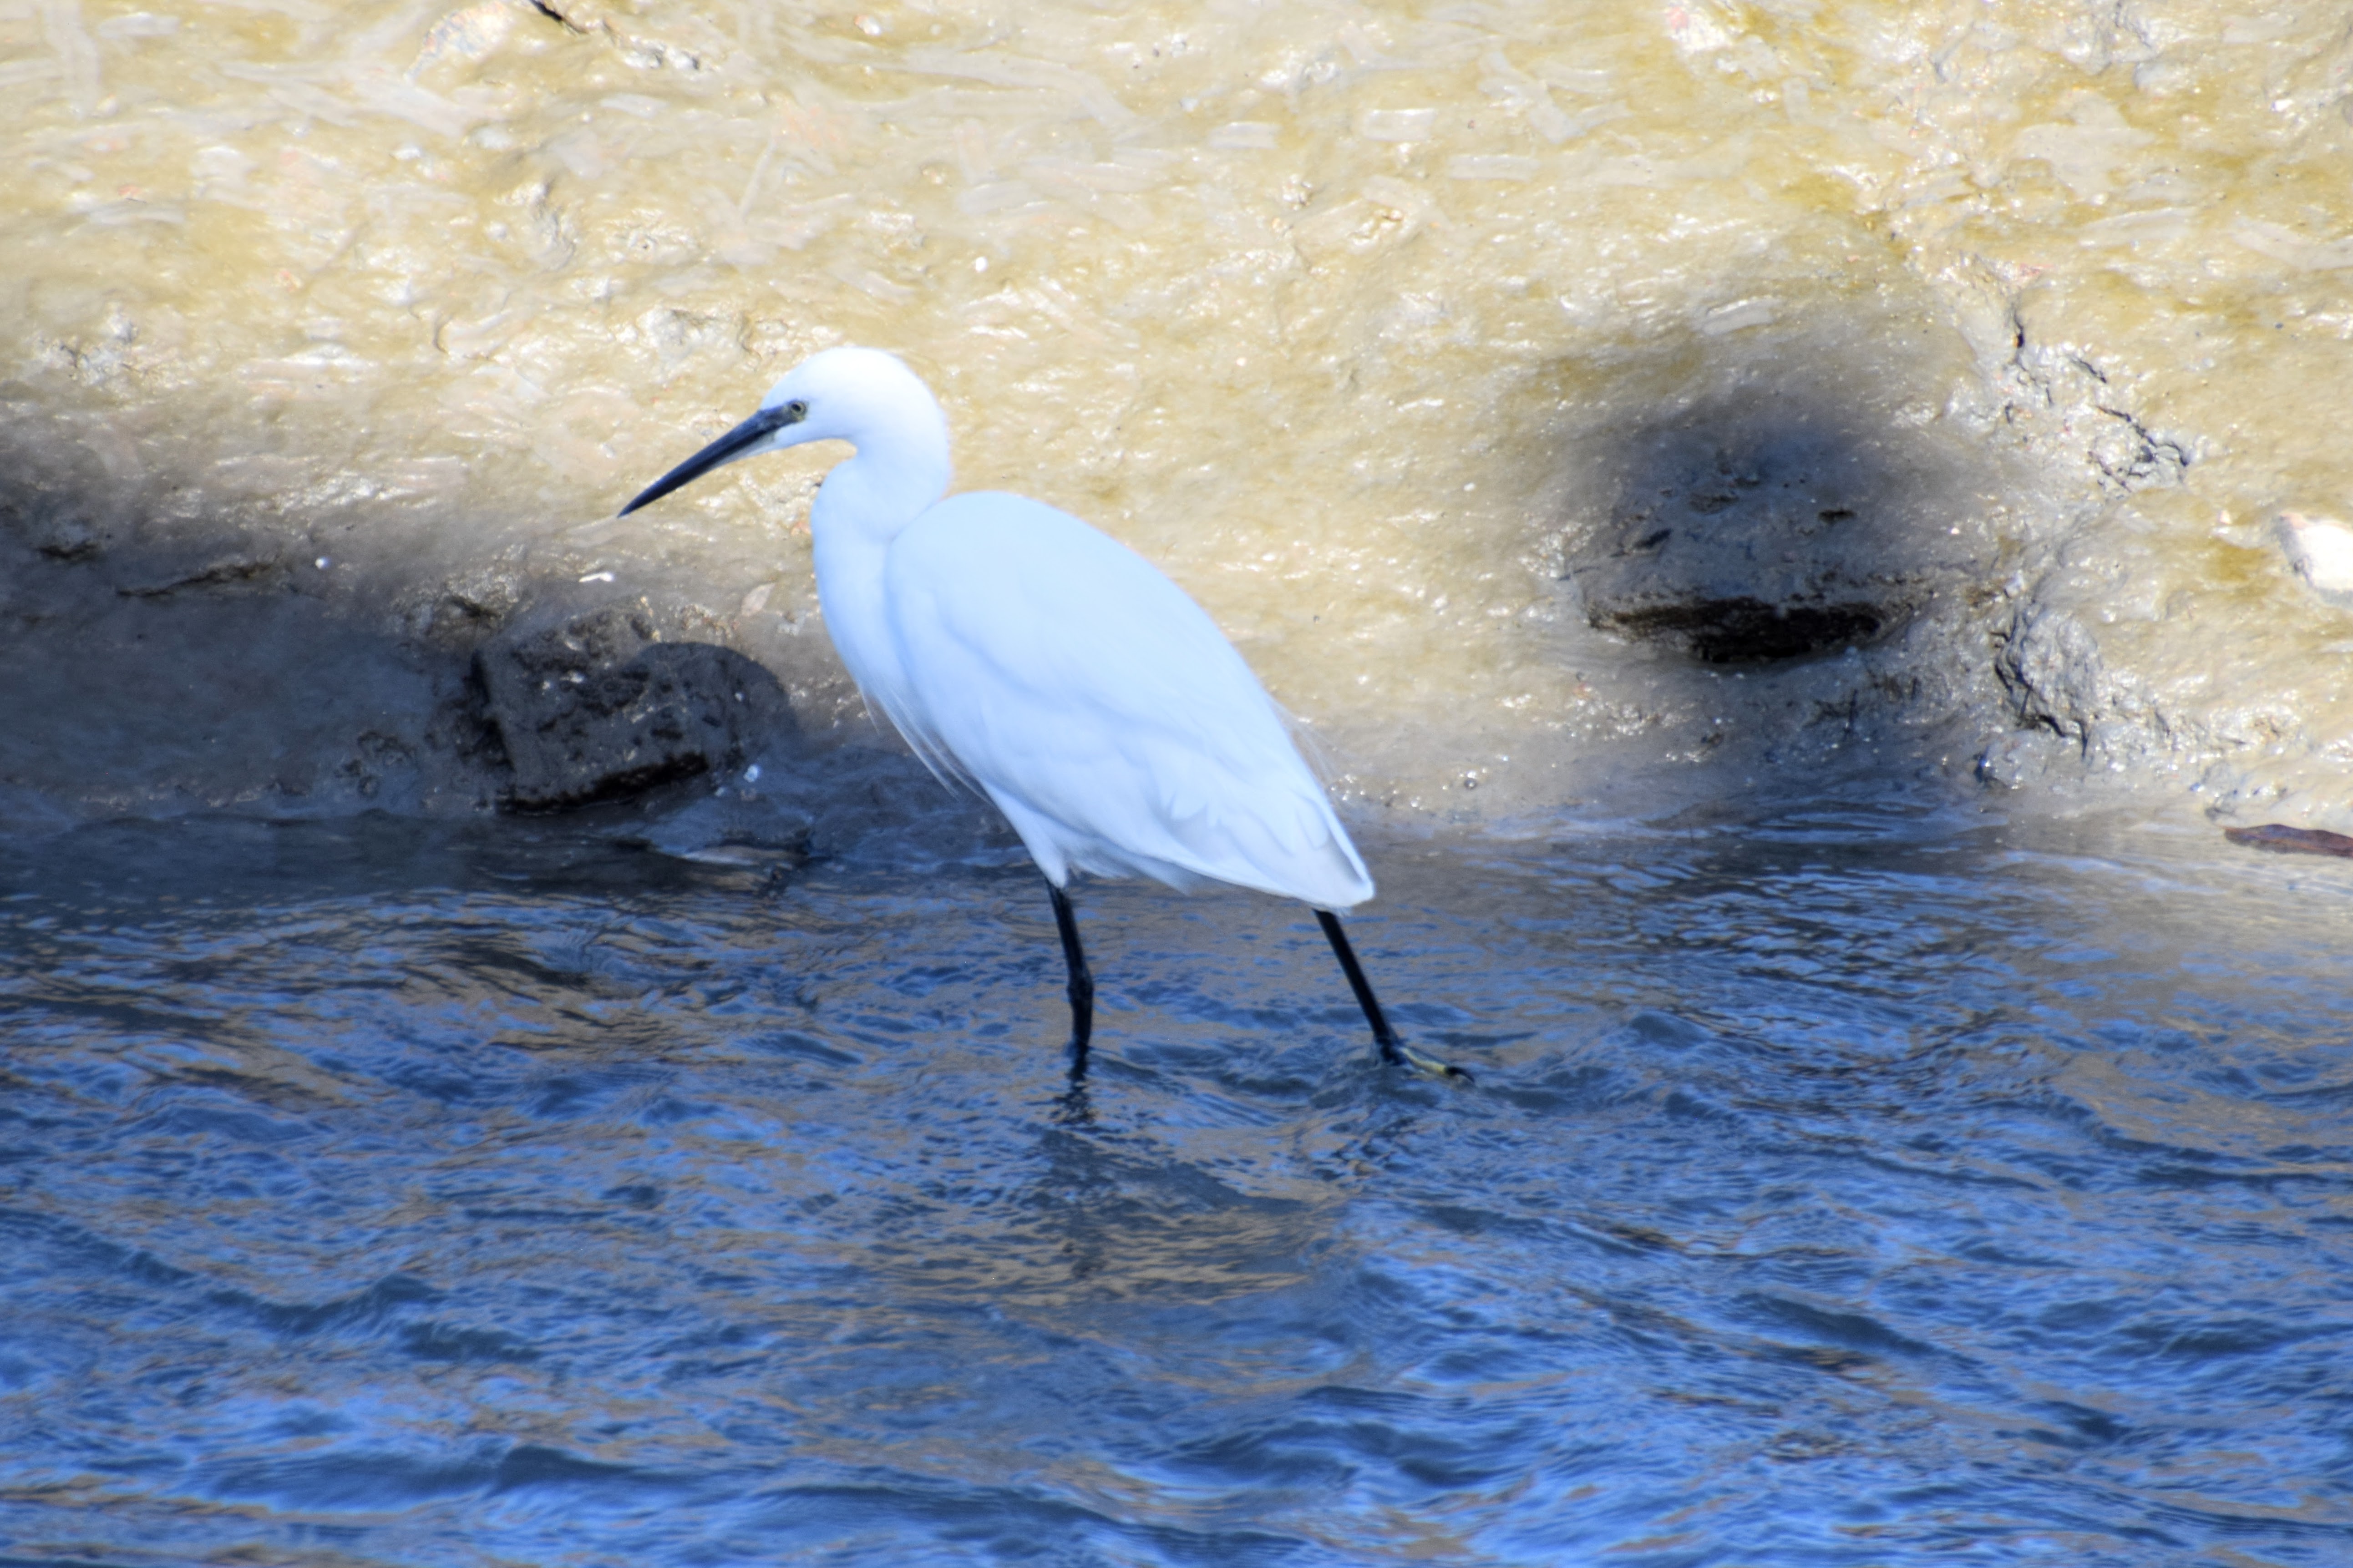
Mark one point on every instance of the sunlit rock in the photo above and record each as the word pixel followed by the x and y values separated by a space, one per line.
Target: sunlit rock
pixel 2321 550
pixel 1371 332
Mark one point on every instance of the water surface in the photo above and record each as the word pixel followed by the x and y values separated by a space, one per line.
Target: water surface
pixel 1844 1183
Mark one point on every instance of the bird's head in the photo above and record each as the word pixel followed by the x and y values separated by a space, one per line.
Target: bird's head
pixel 864 397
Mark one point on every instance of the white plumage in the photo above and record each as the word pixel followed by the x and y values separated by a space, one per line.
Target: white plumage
pixel 1048 666
pixel 1101 708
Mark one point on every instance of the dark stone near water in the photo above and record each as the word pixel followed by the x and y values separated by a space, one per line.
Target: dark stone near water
pixel 2285 840
pixel 228 574
pixel 598 707
pixel 1739 630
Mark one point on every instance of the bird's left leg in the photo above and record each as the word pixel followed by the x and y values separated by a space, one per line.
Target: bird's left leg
pixel 1083 984
pixel 1393 1050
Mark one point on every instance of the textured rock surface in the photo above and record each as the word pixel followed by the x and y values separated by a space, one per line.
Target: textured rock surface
pixel 2051 667
pixel 597 708
pixel 1773 519
pixel 1696 394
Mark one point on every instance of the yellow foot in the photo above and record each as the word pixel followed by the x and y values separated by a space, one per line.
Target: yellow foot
pixel 1431 1065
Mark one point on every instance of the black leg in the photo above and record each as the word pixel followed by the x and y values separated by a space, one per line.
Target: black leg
pixel 1382 1036
pixel 1083 984
pixel 1392 1048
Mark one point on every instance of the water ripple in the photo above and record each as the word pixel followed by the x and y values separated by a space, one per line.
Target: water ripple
pixel 1854 1188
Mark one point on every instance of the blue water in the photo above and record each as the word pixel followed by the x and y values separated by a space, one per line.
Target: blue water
pixel 1867 1184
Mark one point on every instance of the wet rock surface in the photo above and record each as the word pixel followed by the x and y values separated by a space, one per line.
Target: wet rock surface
pixel 2051 667
pixel 1942 412
pixel 1741 629
pixel 1775 516
pixel 596 707
pixel 2283 840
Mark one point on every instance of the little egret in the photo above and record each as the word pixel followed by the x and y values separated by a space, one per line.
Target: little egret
pixel 1053 669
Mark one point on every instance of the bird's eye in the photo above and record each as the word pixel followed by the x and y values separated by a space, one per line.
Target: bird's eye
pixel 796 411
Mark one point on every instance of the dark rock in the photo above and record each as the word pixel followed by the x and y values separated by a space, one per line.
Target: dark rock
pixel 2285 840
pixel 1738 630
pixel 466 610
pixel 228 572
pixel 598 707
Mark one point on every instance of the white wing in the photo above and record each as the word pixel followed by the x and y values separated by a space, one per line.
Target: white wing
pixel 1101 708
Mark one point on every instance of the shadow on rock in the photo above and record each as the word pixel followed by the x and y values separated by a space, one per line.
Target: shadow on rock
pixel 170 656
pixel 1792 546
pixel 596 707
pixel 1769 519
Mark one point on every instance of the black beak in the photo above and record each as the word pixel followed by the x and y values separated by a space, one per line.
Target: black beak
pixel 724 450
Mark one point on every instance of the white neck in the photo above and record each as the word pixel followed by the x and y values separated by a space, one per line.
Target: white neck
pixel 878 491
pixel 863 505
pixel 901 465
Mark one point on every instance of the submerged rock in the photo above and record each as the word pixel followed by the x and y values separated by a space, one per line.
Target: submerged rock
pixel 597 708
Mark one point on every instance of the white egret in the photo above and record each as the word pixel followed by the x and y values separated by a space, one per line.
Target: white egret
pixel 1050 667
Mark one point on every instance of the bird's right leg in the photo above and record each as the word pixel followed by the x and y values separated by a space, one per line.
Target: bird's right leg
pixel 1393 1050
pixel 1083 984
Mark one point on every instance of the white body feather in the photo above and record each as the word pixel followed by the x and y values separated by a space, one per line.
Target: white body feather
pixel 1049 665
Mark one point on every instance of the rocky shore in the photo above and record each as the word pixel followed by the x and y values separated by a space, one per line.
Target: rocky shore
pixel 1952 398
